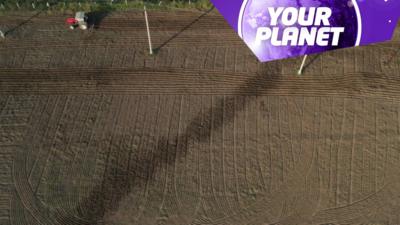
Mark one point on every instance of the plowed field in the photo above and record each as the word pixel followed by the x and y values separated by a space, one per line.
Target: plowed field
pixel 95 131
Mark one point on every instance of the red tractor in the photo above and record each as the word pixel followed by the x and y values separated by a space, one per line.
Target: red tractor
pixel 80 21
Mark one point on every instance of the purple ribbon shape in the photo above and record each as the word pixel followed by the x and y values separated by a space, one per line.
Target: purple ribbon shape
pixel 363 22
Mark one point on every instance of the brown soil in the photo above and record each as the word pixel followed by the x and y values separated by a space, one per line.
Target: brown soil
pixel 94 131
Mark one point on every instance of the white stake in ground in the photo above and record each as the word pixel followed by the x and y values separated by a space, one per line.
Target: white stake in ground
pixel 300 71
pixel 148 31
pixel 2 35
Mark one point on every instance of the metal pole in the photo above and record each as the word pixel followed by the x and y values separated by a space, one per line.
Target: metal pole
pixel 300 71
pixel 148 31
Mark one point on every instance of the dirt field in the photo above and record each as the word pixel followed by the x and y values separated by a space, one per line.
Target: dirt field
pixel 94 131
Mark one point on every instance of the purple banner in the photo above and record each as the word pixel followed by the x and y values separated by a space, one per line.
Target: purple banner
pixel 287 28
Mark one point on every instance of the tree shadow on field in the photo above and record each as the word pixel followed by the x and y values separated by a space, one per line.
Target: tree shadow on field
pixel 313 59
pixel 96 17
pixel 157 49
pixel 23 23
pixel 118 183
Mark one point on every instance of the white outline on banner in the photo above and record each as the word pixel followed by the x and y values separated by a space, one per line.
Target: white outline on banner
pixel 241 18
pixel 359 22
pixel 356 8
